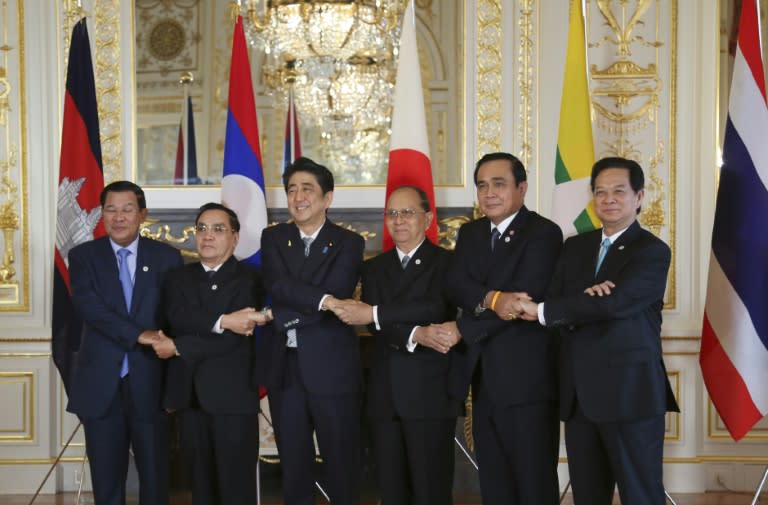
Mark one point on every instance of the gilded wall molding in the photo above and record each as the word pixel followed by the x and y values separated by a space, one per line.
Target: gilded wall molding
pixel 25 381
pixel 525 79
pixel 632 50
pixel 489 80
pixel 108 75
pixel 14 218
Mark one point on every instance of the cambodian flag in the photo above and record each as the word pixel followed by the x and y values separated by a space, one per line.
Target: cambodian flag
pixel 292 149
pixel 734 339
pixel 78 212
pixel 242 186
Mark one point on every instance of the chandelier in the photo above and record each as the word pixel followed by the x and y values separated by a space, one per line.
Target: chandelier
pixel 338 59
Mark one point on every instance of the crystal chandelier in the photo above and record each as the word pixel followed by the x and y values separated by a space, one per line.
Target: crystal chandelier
pixel 339 58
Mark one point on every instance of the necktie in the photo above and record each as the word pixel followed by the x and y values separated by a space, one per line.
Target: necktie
pixel 404 261
pixel 124 273
pixel 211 273
pixel 604 246
pixel 495 234
pixel 307 243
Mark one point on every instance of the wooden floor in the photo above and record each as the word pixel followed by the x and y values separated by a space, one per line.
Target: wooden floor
pixel 714 498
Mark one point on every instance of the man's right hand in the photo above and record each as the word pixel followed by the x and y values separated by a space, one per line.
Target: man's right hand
pixel 240 321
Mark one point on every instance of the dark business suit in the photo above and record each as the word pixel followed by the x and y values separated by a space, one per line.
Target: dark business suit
pixel 413 397
pixel 211 382
pixel 511 364
pixel 614 389
pixel 316 385
pixel 117 412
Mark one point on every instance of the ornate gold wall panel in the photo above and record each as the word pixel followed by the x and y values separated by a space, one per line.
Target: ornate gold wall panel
pixel 489 81
pixel 633 70
pixel 14 228
pixel 526 81
pixel 17 395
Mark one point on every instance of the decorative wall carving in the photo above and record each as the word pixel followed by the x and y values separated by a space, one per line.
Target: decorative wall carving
pixel 633 69
pixel 14 229
pixel 488 67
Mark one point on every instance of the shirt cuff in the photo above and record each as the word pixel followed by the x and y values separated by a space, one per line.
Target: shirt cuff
pixel 320 307
pixel 217 327
pixel 540 311
pixel 376 317
pixel 411 345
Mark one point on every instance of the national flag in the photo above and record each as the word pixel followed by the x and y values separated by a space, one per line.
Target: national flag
pixel 186 148
pixel 572 207
pixel 734 337
pixel 409 162
pixel 292 149
pixel 78 210
pixel 242 187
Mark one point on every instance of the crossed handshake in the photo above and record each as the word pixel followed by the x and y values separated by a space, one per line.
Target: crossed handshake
pixel 438 336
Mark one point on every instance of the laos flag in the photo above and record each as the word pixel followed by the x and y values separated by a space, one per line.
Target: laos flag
pixel 242 185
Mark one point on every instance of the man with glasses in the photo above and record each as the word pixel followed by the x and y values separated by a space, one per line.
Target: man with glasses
pixel 512 363
pixel 315 376
pixel 415 390
pixel 211 309
pixel 116 283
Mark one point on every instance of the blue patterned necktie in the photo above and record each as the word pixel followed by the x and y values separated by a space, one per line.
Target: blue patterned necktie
pixel 495 234
pixel 604 246
pixel 127 284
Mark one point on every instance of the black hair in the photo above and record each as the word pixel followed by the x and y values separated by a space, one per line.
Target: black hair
pixel 234 222
pixel 122 187
pixel 423 198
pixel 323 176
pixel 518 169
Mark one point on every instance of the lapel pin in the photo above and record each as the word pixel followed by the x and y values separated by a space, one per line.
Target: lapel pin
pixel 214 287
pixel 621 248
pixel 418 262
pixel 330 244
pixel 145 269
pixel 289 242
pixel 506 239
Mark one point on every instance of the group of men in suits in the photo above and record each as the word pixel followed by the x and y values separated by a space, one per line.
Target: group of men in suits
pixel 542 329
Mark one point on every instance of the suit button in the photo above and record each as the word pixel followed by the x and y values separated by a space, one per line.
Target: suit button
pixel 571 328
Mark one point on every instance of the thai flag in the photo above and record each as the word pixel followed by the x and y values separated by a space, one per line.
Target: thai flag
pixel 409 162
pixel 734 341
pixel 242 187
pixel 292 149
pixel 78 210
pixel 186 150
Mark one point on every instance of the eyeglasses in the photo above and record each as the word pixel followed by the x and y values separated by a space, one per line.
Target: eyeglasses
pixel 218 229
pixel 404 213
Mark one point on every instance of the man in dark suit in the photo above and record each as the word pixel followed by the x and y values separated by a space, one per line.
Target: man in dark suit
pixel 606 299
pixel 210 307
pixel 315 378
pixel 416 389
pixel 116 285
pixel 512 363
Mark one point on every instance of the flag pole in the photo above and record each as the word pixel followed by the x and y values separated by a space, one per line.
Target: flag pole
pixel 185 80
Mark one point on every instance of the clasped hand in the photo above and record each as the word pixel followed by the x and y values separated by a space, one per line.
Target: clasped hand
pixel 350 311
pixel 163 345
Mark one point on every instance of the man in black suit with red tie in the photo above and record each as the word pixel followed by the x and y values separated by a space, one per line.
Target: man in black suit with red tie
pixel 416 388
pixel 512 363
pixel 606 299
pixel 315 376
pixel 211 309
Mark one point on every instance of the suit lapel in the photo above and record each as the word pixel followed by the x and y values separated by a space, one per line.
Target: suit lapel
pixel 323 247
pixel 618 253
pixel 108 264
pixel 420 263
pixel 142 276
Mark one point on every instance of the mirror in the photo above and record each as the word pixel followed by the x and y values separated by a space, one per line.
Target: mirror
pixel 178 37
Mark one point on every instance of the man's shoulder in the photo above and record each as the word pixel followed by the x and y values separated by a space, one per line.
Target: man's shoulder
pixel 157 248
pixel 344 233
pixel 90 246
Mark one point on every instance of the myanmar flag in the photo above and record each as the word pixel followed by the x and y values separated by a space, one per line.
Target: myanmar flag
pixel 572 206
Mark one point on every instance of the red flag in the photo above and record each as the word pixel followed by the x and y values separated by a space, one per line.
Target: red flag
pixel 409 162
pixel 78 216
